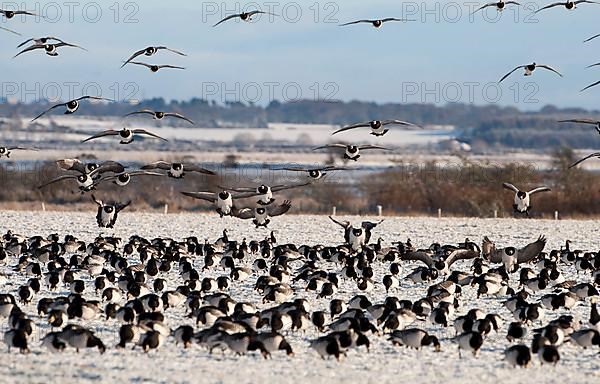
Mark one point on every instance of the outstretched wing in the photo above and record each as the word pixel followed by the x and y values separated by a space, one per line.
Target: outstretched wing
pixel 278 210
pixel 343 224
pixel 419 256
pixel 99 202
pixel 108 166
pixel 531 251
pixel 368 225
pixel 207 196
pixel 461 254
pixel 580 121
pixel 278 188
pixel 136 54
pixel 158 165
pixel 510 73
pixel 172 50
pixel 110 132
pixel 121 206
pixel 595 154
pixel 243 213
pixel 591 38
pixel 71 165
pixel 144 132
pixel 349 127
pixel 195 168
pixel 369 146
pixel 179 116
pixel 549 6
pixel 539 189
pixel 48 110
pixel 227 18
pixel 550 69
pixel 143 111
pixel 482 7
pixel 333 146
pixel 590 86
pixel 60 178
pixel 510 187
pixel 356 22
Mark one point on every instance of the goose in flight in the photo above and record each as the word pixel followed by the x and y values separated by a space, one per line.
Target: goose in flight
pixel 126 135
pixel 351 152
pixel 264 192
pixel 158 115
pixel 376 23
pixel 177 170
pixel 244 16
pixel 500 5
pixel 595 154
pixel 315 173
pixel 151 51
pixel 522 202
pixel 529 68
pixel 378 127
pixel 261 214
pixel 223 201
pixel 71 106
pixel 6 151
pixel 522 255
pixel 155 68
pixel 570 5
pixel 88 173
pixel 50 49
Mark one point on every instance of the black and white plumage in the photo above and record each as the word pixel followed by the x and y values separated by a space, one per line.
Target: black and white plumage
pixel 108 212
pixel 223 201
pixel 159 115
pixel 569 5
pixel 518 355
pixel 523 255
pixel 40 40
pixel 50 49
pixel 16 338
pixel 591 155
pixel 591 38
pixel 6 151
pixel 71 106
pixel 441 264
pixel 595 123
pixel 177 170
pixel 244 16
pixel 125 135
pixel 414 338
pixel 154 67
pixel 261 215
pixel 500 5
pixel 522 201
pixel 264 192
pixel 151 51
pixel 123 179
pixel 87 173
pixel 529 68
pixel 9 14
pixel 376 23
pixel 357 236
pixel 378 127
pixel 469 341
pixel 351 152
pixel 315 173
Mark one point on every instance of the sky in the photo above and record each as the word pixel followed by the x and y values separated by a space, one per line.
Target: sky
pixel 444 55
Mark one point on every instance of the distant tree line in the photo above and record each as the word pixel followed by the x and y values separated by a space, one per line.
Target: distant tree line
pixel 489 125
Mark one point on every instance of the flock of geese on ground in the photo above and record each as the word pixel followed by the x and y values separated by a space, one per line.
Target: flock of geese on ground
pixel 157 291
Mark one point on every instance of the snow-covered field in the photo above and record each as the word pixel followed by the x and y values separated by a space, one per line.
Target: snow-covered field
pixel 384 363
